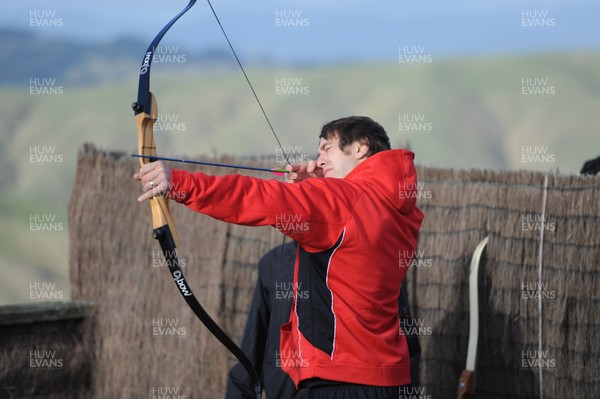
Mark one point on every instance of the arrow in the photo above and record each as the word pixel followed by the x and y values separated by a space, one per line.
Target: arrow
pixel 278 172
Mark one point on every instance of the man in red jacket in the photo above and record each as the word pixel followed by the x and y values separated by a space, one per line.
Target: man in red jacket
pixel 354 229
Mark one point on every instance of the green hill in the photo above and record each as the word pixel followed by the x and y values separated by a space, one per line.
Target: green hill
pixel 469 112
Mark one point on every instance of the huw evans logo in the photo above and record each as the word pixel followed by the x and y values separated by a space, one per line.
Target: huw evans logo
pixel 291 19
pixel 535 222
pixel 537 19
pixel 44 155
pixel 413 191
pixel 536 291
pixel 175 193
pixel 159 259
pixel 169 123
pixel 44 87
pixel 291 223
pixel 413 55
pixel 167 392
pixel 168 54
pixel 414 327
pixel 290 87
pixel 44 19
pixel 44 291
pixel 43 222
pixel 290 154
pixel 414 123
pixel 284 291
pixel 290 359
pixel 415 259
pixel 537 154
pixel 44 359
pixel 536 359
pixel 537 87
pixel 162 327
pixel 412 392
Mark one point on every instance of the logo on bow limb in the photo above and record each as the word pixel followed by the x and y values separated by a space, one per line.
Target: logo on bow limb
pixel 146 113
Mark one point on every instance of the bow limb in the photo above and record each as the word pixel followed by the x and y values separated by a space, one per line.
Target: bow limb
pixel 466 383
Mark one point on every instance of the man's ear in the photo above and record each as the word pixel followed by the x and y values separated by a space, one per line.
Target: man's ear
pixel 361 150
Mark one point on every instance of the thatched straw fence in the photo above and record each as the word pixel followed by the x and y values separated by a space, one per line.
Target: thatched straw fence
pixel 43 350
pixel 508 207
pixel 146 342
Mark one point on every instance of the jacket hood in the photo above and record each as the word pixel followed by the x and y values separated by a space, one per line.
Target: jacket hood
pixel 392 173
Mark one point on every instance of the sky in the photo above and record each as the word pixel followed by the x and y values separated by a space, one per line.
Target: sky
pixel 349 30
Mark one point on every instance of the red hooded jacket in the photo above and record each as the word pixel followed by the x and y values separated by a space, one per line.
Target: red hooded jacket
pixel 355 237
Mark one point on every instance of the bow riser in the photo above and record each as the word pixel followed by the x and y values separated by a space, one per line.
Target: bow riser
pixel 161 214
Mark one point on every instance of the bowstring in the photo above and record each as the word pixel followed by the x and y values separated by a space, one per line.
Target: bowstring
pixel 249 83
pixel 253 93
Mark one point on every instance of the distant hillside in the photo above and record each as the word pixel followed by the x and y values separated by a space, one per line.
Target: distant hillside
pixel 28 55
pixel 533 112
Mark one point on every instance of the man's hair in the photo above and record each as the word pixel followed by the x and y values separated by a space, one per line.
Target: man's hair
pixel 357 128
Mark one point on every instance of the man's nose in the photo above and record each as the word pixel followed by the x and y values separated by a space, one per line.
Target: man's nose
pixel 321 161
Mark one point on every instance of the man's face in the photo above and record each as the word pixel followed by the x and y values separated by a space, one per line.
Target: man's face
pixel 338 163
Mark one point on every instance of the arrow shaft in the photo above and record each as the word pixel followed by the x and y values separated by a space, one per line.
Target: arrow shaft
pixel 221 165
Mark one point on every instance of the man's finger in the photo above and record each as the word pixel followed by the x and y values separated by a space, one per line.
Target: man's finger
pixel 144 197
pixel 151 175
pixel 149 194
pixel 291 177
pixel 150 186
